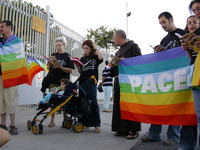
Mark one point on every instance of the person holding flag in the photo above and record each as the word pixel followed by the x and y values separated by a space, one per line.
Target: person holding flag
pixel 13 72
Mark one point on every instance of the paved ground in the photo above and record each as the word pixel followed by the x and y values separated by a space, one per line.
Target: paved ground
pixel 153 145
pixel 57 138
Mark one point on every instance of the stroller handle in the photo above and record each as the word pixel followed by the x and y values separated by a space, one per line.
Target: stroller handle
pixel 95 80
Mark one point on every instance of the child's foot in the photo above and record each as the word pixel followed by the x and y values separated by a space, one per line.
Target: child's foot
pixel 51 124
pixel 97 130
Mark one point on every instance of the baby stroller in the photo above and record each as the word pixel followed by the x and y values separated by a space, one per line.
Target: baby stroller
pixel 70 103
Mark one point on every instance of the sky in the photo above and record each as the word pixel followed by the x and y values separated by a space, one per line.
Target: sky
pixel 143 26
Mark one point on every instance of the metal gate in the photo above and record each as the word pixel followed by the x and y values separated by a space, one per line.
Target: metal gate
pixel 38 29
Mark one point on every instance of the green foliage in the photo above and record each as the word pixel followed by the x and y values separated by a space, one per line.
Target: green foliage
pixel 103 37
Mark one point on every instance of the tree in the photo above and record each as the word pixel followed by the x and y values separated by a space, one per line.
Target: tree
pixel 103 37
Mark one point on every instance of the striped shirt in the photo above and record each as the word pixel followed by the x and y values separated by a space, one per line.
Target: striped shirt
pixel 108 79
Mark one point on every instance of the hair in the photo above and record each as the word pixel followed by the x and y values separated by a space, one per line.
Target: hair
pixel 8 23
pixel 90 44
pixel 60 39
pixel 186 27
pixel 64 80
pixel 166 14
pixel 121 33
pixel 191 3
pixel 106 62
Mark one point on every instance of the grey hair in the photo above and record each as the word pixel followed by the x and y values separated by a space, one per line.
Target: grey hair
pixel 121 33
pixel 60 39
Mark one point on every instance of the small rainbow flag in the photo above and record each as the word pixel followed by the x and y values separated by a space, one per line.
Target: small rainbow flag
pixel 13 62
pixel 34 66
pixel 153 89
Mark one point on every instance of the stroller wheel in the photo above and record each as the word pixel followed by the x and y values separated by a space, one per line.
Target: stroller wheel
pixel 63 123
pixel 35 129
pixel 28 125
pixel 68 123
pixel 78 127
pixel 40 126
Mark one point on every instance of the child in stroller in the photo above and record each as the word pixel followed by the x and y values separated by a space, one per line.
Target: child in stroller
pixel 59 91
pixel 72 104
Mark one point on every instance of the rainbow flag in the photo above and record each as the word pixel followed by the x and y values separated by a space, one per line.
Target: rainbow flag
pixel 153 89
pixel 34 66
pixel 13 62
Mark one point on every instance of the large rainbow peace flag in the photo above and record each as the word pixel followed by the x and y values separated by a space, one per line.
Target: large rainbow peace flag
pixel 13 62
pixel 153 88
pixel 34 66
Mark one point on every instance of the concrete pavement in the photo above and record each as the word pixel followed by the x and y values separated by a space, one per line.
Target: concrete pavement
pixel 57 138
pixel 154 145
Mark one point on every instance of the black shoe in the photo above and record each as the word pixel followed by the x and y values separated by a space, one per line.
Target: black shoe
pixel 3 127
pixel 13 130
pixel 121 134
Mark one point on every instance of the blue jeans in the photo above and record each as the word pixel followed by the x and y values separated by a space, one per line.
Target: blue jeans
pixel 189 133
pixel 107 95
pixel 196 96
pixel 173 132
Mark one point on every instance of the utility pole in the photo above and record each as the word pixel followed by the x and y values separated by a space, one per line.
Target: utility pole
pixel 127 19
pixel 127 15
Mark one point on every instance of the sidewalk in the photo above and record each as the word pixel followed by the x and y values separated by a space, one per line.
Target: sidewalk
pixel 153 145
pixel 57 138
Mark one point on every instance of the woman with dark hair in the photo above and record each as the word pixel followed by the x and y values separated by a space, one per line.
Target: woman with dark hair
pixel 192 24
pixel 188 134
pixel 91 60
pixel 187 141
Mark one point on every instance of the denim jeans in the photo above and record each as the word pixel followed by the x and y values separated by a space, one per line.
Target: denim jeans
pixel 173 132
pixel 107 95
pixel 189 133
pixel 196 96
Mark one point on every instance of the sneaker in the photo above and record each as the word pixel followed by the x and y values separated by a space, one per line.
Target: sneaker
pixel 13 130
pixel 169 142
pixel 148 139
pixel 3 127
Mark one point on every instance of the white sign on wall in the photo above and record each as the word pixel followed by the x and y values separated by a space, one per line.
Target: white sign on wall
pixel 39 78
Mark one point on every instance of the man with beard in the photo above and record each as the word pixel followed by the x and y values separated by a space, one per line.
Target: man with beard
pixel 127 49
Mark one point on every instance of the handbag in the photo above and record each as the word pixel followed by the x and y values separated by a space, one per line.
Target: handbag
pixel 83 106
pixel 100 88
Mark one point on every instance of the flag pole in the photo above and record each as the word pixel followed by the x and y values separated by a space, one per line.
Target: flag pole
pixel 127 20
